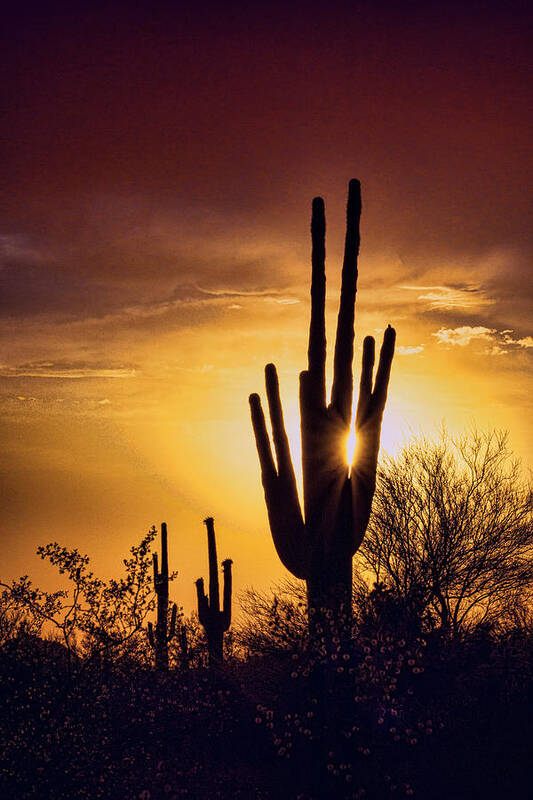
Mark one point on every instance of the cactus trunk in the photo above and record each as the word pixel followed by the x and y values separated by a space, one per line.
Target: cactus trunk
pixel 161 650
pixel 215 643
pixel 329 594
pixel 163 632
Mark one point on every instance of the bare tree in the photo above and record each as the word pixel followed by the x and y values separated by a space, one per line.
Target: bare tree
pixel 15 619
pixel 452 525
pixel 274 622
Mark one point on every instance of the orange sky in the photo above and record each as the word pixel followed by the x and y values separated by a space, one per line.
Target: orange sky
pixel 160 166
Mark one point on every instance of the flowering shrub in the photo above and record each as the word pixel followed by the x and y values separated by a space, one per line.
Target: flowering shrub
pixel 94 619
pixel 352 713
pixel 386 707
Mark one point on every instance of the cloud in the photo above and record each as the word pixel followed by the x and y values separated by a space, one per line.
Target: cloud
pixel 463 335
pixel 409 350
pixel 282 301
pixel 49 369
pixel 502 341
pixel 189 297
pixel 526 341
pixel 449 297
pixel 17 248
pixel 56 281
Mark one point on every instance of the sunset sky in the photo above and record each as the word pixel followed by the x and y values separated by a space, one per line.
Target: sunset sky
pixel 159 167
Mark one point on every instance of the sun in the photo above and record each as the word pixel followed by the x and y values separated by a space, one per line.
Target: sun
pixel 351 441
pixel 393 431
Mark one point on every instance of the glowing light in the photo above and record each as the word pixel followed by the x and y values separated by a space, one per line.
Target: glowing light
pixel 393 431
pixel 292 426
pixel 350 445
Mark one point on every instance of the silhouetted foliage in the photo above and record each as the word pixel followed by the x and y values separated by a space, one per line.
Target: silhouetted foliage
pixel 273 624
pixel 188 648
pixel 452 529
pixel 411 714
pixel 15 618
pixel 94 619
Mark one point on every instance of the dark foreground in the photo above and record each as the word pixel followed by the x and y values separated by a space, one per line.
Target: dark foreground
pixel 383 717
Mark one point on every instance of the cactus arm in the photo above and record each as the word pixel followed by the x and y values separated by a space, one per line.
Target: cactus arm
pixel 203 604
pixel 226 612
pixel 262 441
pixel 164 551
pixel 342 389
pixel 379 395
pixel 281 442
pixel 173 617
pixel 156 570
pixel 316 353
pixel 368 419
pixel 214 595
pixel 281 494
pixel 365 384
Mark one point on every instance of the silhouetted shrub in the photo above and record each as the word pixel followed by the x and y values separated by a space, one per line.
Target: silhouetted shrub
pixel 452 529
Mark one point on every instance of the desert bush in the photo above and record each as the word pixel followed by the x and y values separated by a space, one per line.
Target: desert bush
pixel 452 528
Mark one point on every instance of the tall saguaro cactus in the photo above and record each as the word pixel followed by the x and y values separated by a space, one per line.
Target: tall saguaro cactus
pixel 319 544
pixel 164 632
pixel 214 621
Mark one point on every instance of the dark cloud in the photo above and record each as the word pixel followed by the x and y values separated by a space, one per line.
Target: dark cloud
pixel 254 110
pixel 146 275
pixel 153 153
pixel 28 290
pixel 160 163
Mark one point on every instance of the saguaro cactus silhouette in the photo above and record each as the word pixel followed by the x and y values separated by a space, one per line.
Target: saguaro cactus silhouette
pixel 214 621
pixel 319 544
pixel 163 632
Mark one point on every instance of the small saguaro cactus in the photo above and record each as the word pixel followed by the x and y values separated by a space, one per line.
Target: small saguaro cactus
pixel 163 634
pixel 214 621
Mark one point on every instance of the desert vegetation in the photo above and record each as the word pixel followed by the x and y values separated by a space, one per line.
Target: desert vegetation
pixel 405 704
